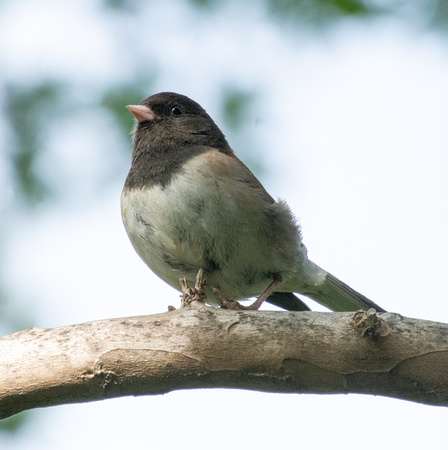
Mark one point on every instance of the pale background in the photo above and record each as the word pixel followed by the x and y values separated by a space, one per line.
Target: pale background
pixel 347 124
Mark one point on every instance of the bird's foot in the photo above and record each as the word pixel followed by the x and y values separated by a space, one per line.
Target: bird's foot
pixel 193 294
pixel 228 304
pixel 225 303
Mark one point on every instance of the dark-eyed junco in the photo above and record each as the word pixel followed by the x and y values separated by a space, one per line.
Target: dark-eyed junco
pixel 189 203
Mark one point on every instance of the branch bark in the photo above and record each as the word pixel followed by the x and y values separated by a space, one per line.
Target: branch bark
pixel 301 352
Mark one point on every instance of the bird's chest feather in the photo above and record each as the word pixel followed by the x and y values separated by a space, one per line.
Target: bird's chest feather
pixel 192 222
pixel 210 220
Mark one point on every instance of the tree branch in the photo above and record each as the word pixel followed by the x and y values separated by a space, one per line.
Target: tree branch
pixel 302 352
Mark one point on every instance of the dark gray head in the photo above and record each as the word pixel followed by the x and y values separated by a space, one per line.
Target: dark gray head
pixel 175 118
pixel 171 128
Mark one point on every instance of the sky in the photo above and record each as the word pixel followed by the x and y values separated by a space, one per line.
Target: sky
pixel 348 128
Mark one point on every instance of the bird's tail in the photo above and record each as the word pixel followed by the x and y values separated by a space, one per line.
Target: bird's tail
pixel 337 296
pixel 287 300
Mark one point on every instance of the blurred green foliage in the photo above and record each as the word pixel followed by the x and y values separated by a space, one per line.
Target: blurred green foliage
pixel 14 423
pixel 29 111
pixel 320 12
pixel 316 14
pixel 236 104
pixel 115 100
pixel 439 18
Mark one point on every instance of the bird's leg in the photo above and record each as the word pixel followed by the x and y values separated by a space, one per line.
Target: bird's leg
pixel 267 292
pixel 194 294
pixel 257 303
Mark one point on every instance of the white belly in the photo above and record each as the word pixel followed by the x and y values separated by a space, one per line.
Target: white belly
pixel 201 221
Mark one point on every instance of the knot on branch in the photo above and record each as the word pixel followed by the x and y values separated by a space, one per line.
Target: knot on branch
pixel 371 325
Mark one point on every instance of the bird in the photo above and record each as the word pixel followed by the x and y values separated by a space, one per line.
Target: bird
pixel 190 205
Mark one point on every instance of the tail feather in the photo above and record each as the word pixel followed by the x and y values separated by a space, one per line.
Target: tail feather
pixel 337 296
pixel 287 300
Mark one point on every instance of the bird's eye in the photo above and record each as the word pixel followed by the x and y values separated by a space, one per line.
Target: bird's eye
pixel 176 110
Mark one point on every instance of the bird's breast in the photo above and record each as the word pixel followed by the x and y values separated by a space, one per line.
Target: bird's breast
pixel 211 220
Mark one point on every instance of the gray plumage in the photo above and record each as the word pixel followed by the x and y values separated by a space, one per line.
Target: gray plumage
pixel 189 203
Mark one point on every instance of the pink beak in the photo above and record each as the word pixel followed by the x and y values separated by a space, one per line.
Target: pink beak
pixel 141 113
